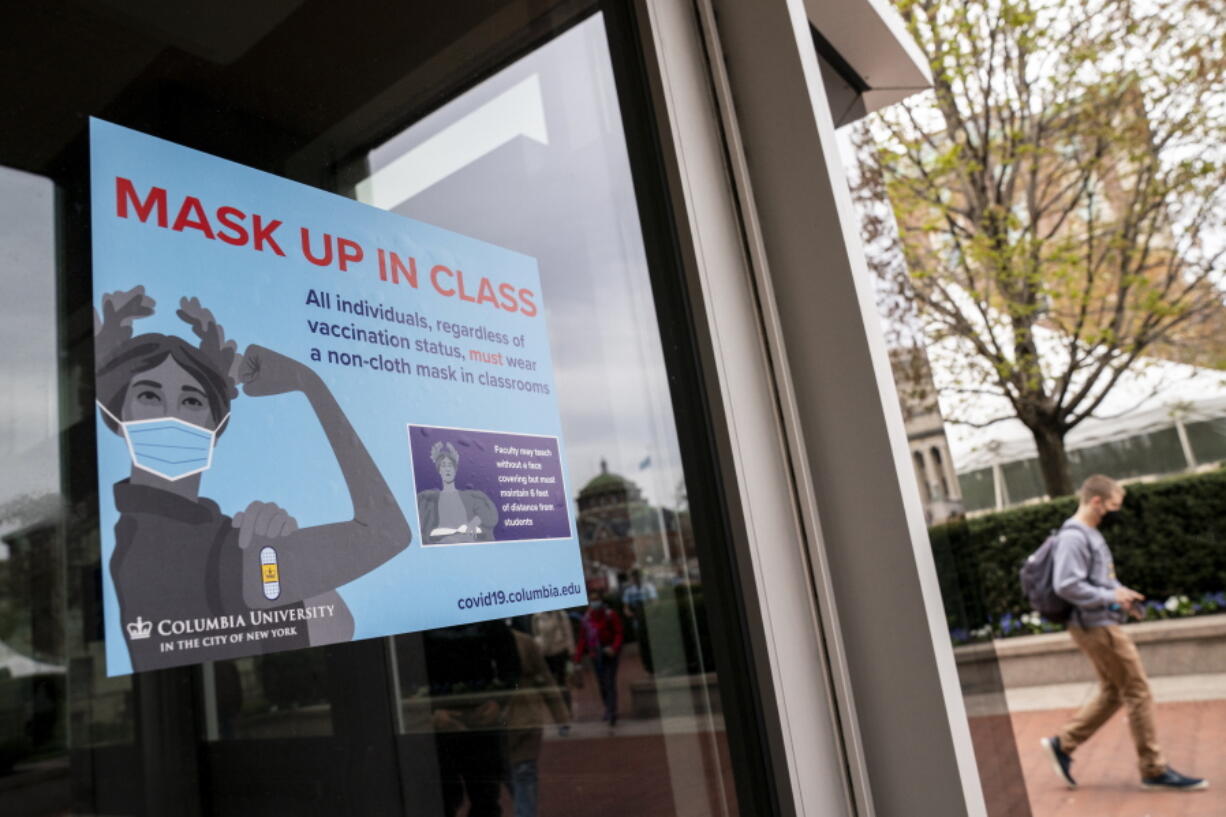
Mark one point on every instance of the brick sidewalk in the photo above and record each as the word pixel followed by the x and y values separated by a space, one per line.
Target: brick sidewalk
pixel 1193 737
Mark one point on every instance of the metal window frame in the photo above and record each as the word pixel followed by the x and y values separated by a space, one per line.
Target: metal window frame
pixel 843 603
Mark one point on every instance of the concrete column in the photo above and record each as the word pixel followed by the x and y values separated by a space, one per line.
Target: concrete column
pixel 908 702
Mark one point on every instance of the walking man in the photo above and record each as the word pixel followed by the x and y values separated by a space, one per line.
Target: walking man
pixel 1084 576
pixel 602 637
pixel 637 598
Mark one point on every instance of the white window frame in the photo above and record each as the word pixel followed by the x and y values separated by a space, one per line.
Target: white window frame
pixel 864 709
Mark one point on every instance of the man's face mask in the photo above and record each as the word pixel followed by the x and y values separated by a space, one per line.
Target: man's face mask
pixel 1111 511
pixel 167 446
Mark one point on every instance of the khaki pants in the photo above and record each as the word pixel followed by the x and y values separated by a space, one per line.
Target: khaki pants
pixel 1121 681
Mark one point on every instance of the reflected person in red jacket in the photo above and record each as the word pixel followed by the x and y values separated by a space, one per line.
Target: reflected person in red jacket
pixel 600 636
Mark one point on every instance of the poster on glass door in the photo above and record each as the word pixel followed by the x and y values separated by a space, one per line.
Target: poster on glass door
pixel 317 421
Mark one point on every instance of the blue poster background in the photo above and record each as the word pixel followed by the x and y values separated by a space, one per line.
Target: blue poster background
pixel 273 449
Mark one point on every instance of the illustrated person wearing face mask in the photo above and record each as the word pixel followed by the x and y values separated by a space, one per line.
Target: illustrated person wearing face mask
pixel 1083 574
pixel 177 556
pixel 450 515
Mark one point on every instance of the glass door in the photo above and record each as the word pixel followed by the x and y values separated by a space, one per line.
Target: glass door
pixel 503 121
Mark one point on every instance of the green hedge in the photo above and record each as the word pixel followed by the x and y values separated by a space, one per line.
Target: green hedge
pixel 1170 540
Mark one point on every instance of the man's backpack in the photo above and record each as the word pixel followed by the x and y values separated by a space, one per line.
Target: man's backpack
pixel 1038 586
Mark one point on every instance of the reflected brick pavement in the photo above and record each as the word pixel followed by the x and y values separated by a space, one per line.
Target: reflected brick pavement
pixel 635 775
pixel 633 771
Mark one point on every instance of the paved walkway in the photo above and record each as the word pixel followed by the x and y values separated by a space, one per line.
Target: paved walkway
pixel 1191 727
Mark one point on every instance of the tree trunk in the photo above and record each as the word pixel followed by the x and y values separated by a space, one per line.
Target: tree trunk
pixel 1053 461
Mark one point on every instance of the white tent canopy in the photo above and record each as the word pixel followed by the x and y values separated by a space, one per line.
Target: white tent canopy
pixel 17 665
pixel 1150 396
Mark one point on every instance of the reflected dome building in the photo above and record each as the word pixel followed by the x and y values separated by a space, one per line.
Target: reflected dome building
pixel 619 530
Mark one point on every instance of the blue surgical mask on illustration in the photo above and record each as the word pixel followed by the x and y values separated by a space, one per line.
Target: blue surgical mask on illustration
pixel 167 446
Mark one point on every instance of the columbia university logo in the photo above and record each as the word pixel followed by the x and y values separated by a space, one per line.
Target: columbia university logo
pixel 139 629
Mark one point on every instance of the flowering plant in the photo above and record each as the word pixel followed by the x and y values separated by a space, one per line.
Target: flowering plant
pixel 1010 625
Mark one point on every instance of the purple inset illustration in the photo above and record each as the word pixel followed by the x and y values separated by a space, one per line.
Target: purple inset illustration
pixel 487 486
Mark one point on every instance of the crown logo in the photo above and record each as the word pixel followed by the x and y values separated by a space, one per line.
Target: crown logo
pixel 139 629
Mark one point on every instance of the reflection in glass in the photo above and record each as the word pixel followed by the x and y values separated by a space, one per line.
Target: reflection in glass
pixel 496 717
pixel 621 694
pixel 33 653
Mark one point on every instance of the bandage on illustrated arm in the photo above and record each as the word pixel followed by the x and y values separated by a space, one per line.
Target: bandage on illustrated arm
pixel 321 558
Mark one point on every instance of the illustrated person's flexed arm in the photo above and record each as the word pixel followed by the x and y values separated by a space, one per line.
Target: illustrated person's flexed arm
pixel 311 561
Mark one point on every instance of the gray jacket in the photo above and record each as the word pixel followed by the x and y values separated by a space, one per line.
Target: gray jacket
pixel 1084 575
